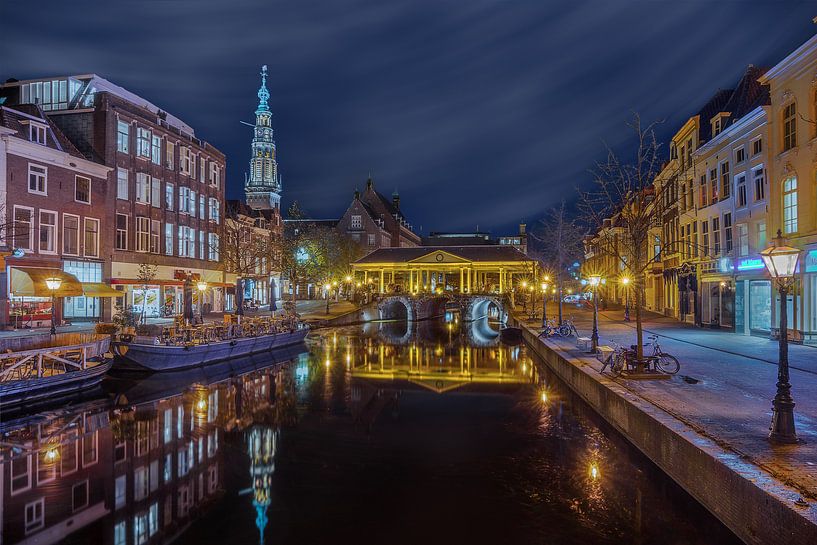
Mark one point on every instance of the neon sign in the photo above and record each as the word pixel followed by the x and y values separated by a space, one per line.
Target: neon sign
pixel 750 264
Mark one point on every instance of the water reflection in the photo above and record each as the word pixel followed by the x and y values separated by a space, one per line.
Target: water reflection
pixel 438 422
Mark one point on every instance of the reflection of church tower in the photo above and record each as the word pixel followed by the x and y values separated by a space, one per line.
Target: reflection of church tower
pixel 263 186
pixel 261 444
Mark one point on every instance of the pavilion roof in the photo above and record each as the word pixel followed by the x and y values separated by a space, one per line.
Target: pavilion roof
pixel 496 253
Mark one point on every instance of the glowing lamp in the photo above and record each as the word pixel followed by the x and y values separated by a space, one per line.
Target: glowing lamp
pixel 625 280
pixel 53 283
pixel 780 260
pixel 594 280
pixel 202 285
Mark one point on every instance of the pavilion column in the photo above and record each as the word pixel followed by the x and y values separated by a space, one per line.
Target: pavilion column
pixel 462 280
pixel 382 275
pixel 469 280
pixel 501 279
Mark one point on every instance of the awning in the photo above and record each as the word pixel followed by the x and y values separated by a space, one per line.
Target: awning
pixel 98 289
pixel 30 282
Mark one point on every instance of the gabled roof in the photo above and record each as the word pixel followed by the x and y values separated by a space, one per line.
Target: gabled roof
pixel 748 95
pixel 468 253
pixel 18 118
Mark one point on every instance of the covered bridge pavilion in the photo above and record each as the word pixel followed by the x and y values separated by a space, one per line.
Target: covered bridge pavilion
pixel 447 269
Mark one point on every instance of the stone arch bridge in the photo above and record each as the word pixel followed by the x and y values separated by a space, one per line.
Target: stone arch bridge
pixel 423 307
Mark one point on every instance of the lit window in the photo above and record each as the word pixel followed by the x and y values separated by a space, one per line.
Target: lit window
pixel 82 189
pixel 122 136
pixel 790 205
pixel 156 192
pixel 169 155
pixel 155 236
pixel 169 195
pixel 156 150
pixel 37 179
pixel 143 138
pixel 70 234
pixel 119 534
pixel 168 239
pixel 37 134
pixel 142 234
pixel 142 188
pixel 48 232
pixel 122 183
pixel 35 515
pixel 24 228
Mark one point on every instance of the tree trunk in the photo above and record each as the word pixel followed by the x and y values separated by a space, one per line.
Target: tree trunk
pixel 639 333
pixel 239 297
pixel 559 293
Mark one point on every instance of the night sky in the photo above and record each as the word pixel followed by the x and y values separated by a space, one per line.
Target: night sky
pixel 478 112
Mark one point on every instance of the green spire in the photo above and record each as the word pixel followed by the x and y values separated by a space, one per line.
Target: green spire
pixel 263 92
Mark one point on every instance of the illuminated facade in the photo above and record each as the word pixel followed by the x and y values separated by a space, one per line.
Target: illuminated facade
pixel 263 185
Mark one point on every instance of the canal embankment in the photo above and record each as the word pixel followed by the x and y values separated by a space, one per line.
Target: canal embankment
pixel 758 506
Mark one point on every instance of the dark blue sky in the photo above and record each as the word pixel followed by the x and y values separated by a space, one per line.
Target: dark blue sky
pixel 478 112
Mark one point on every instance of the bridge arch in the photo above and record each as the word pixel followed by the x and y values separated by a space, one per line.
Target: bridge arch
pixel 396 308
pixel 479 306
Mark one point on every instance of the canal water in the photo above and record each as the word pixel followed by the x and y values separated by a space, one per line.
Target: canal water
pixel 385 433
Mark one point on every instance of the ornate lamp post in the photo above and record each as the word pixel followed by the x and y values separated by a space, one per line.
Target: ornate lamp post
pixel 625 281
pixel 595 280
pixel 202 286
pixel 53 284
pixel 781 262
pixel 545 301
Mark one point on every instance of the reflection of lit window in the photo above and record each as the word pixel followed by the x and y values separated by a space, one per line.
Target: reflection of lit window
pixel 35 515
pixel 168 425
pixel 120 491
pixel 119 534
pixel 140 483
pixel 20 474
pixel 168 472
pixel 79 496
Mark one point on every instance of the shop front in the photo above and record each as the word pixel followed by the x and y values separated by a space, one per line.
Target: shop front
pixel 808 267
pixel 718 294
pixel 753 297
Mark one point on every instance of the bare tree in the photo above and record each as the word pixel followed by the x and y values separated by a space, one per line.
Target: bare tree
pixel 145 276
pixel 559 243
pixel 245 250
pixel 625 195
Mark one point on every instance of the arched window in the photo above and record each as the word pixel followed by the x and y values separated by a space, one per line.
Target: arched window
pixel 790 205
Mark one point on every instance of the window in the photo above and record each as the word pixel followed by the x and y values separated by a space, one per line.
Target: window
pixel 142 234
pixel 168 468
pixel 727 231
pixel 140 483
pixel 716 236
pixel 142 187
pixel 70 234
pixel 82 189
pixel 122 136
pixel 187 201
pixel 187 241
pixel 119 534
pixel 155 236
pixel 761 234
pixel 167 426
pixel 169 195
pixel 185 160
pixel 716 127
pixel 757 146
pixel 789 126
pixel 214 210
pixel 202 170
pixel 213 252
pixel 760 184
pixel 91 237
pixel 740 155
pixel 202 244
pixel 46 469
pixel 156 150
pixel 743 239
pixel 79 496
pixel 122 183
pixel 702 193
pixel 143 138
pixel 168 239
pixel 121 232
pixel 740 183
pixel 713 183
pixel 215 174
pixel 36 133
pixel 357 222
pixel 705 235
pixel 790 205
pixel 726 180
pixel 372 240
pixel 202 205
pixel 48 232
pixel 35 518
pixel 89 449
pixel 689 149
pixel 37 179
pixel 156 193
pixel 191 203
pixel 169 147
pixel 24 228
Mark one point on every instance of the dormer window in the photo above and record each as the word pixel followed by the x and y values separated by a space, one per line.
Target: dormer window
pixel 719 123
pixel 37 133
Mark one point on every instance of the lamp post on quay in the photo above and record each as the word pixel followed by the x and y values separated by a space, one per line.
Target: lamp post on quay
pixel 781 262
pixel 545 301
pixel 53 284
pixel 202 286
pixel 595 280
pixel 625 281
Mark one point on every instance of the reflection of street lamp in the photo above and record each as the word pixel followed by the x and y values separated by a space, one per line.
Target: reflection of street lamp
pixel 53 284
pixel 595 280
pixel 781 262
pixel 625 281
pixel 545 301
pixel 202 285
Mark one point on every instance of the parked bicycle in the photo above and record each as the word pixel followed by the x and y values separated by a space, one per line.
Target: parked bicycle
pixel 626 358
pixel 565 329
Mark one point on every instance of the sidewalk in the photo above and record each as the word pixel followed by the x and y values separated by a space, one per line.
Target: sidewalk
pixel 731 402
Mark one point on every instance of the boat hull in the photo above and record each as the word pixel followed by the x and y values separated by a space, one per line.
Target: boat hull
pixel 47 389
pixel 148 357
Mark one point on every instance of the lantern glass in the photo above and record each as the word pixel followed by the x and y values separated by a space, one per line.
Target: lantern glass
pixel 595 280
pixel 53 283
pixel 202 286
pixel 780 261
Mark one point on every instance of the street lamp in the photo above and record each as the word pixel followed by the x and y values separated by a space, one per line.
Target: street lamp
pixel 202 285
pixel 625 281
pixel 595 280
pixel 53 284
pixel 781 262
pixel 545 301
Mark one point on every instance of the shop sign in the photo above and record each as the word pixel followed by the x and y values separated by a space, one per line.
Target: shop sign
pixel 810 261
pixel 725 265
pixel 750 264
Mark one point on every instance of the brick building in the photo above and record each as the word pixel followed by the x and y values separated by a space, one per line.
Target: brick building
pixel 53 202
pixel 165 197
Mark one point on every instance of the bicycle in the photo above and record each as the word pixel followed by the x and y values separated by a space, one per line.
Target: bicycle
pixel 665 362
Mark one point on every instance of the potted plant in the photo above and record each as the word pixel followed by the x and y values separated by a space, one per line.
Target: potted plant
pixel 125 319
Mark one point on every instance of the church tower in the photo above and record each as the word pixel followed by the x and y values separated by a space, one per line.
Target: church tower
pixel 263 186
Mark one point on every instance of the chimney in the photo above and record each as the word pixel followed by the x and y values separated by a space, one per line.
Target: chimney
pixel 369 184
pixel 521 228
pixel 395 200
pixel 357 195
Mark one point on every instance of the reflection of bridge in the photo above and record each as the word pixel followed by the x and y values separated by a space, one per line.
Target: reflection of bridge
pixel 470 307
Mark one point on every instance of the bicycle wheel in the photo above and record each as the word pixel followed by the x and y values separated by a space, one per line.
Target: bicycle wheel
pixel 618 364
pixel 668 364
pixel 564 330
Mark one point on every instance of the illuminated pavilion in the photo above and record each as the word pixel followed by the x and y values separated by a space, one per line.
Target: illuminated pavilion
pixel 447 269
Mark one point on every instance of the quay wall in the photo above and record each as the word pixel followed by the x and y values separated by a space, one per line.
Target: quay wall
pixel 756 507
